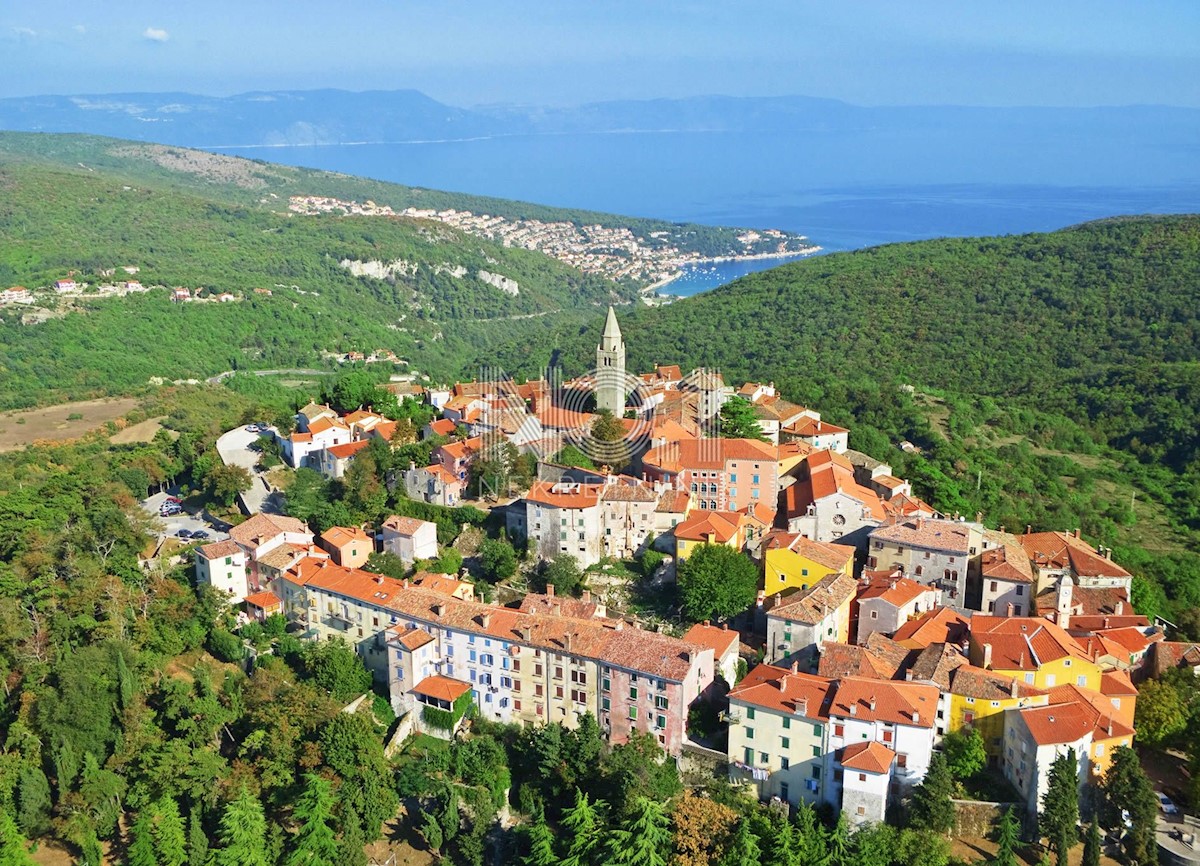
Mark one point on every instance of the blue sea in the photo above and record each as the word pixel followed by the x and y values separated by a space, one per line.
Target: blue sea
pixel 842 191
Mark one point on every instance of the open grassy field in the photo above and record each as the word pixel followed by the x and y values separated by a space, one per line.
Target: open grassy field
pixel 60 423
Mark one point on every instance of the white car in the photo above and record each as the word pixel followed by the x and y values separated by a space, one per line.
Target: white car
pixel 1164 803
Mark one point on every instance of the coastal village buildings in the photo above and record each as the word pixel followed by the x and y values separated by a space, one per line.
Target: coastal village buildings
pixel 881 624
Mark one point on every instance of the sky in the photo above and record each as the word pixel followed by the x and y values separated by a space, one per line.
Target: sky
pixel 563 52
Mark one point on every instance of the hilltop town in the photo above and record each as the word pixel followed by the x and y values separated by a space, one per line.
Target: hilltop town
pixel 828 632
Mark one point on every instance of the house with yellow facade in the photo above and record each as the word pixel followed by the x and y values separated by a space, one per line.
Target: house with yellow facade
pixel 978 699
pixel 709 527
pixel 1034 650
pixel 801 621
pixel 791 561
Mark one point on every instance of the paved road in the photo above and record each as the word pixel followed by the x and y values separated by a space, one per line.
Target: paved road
pixel 221 377
pixel 234 450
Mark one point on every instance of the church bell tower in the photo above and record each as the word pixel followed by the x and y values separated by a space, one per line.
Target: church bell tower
pixel 610 367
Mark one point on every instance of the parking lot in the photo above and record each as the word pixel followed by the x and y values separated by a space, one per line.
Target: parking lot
pixel 236 449
pixel 190 522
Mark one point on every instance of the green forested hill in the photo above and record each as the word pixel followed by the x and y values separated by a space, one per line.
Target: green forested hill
pixel 53 222
pixel 1056 376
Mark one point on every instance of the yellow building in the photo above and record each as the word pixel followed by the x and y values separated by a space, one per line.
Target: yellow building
pixel 709 527
pixel 1033 650
pixel 793 561
pixel 978 699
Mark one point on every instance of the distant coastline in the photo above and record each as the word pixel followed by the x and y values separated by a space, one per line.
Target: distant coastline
pixel 652 290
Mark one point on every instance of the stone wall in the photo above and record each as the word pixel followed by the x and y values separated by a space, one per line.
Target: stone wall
pixel 698 765
pixel 978 817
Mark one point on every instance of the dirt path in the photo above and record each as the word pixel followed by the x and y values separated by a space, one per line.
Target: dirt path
pixel 24 427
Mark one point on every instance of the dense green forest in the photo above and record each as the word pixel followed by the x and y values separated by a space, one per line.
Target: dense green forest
pixel 1056 376
pixel 263 185
pixel 53 223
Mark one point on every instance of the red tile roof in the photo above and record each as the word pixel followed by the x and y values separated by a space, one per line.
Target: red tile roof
pixel 842 660
pixel 1061 723
pixel 404 525
pixel 1006 563
pixel 442 688
pixel 262 527
pixel 721 640
pixel 716 526
pixel 913 704
pixel 264 600
pixel 442 427
pixel 219 549
pixel 1117 684
pixel 972 682
pixel 809 427
pixel 1023 643
pixel 927 533
pixel 340 536
pixel 940 625
pixel 818 601
pixel 411 638
pixel 786 691
pixel 1057 550
pixel 708 453
pixel 894 591
pixel 872 757
pixel 348 449
pixel 826 473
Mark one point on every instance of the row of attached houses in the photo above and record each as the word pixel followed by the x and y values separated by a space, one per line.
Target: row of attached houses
pixel 531 665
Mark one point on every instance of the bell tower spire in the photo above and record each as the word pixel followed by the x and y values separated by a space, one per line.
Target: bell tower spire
pixel 610 367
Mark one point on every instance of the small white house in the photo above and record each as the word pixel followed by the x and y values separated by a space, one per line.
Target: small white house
pixel 223 566
pixel 409 538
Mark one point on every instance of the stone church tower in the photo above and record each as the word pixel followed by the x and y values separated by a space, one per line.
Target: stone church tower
pixel 610 368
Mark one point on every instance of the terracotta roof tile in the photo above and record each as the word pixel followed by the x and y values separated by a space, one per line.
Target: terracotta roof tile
pixel 819 600
pixel 720 639
pixel 442 688
pixel 1063 550
pixel 913 704
pixel 348 449
pixel 719 526
pixel 940 625
pixel 263 600
pixel 826 554
pixel 972 682
pixel 786 691
pixel 564 494
pixel 927 533
pixel 340 536
pixel 894 591
pixel 219 549
pixel 936 664
pixel 872 757
pixel 404 525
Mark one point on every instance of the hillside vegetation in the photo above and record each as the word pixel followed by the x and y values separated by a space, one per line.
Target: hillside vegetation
pixel 434 311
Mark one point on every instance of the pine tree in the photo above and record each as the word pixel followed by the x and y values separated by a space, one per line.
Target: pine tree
pixel 839 842
pixel 541 843
pixel 1059 820
pixel 170 840
pixel 314 844
pixel 431 832
pixel 808 841
pixel 141 848
pixel 585 825
pixel 1007 836
pixel 197 840
pixel 743 848
pixel 1091 846
pixel 242 833
pixel 14 850
pixel 644 839
pixel 783 847
pixel 931 808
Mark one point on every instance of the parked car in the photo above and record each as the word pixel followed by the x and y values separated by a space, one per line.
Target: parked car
pixel 184 533
pixel 1165 803
pixel 174 499
pixel 199 533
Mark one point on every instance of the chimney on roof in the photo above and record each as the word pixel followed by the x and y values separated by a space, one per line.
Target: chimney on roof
pixel 439 609
pixel 587 596
pixel 379 580
pixel 1028 528
pixel 872 703
pixel 568 640
pixel 1001 527
pixel 525 632
pixel 1013 688
pixel 1075 532
pixel 916 717
pixel 485 619
pixel 854 709
pixel 550 590
pixel 1110 726
pixel 1119 610
pixel 618 625
pixel 802 707
pixel 987 655
pixel 795 667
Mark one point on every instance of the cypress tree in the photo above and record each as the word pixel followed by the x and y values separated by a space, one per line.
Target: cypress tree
pixel 783 847
pixel 170 841
pixel 197 839
pixel 1007 836
pixel 352 848
pixel 1059 820
pixel 314 844
pixel 141 847
pixel 1091 845
pixel 242 833
pixel 931 808
pixel 839 842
